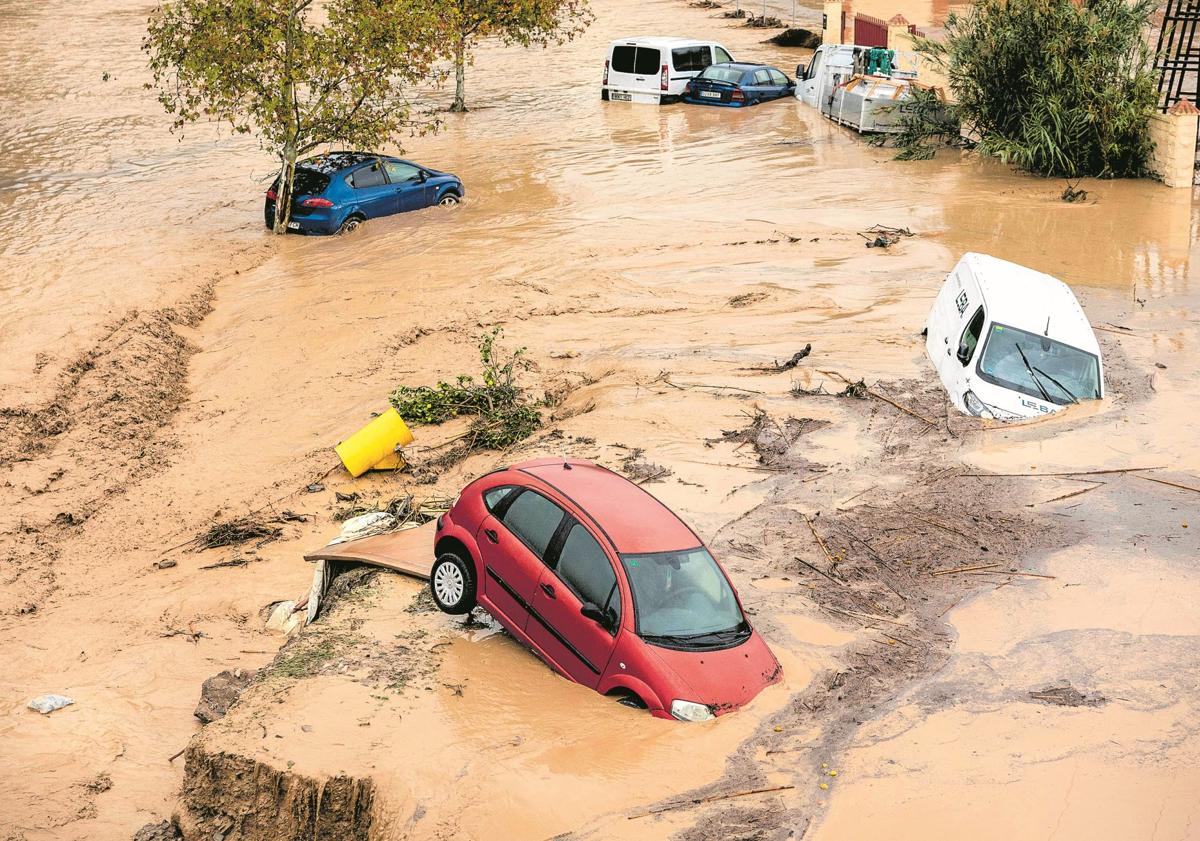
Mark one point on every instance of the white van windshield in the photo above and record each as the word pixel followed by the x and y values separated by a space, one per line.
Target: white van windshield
pixel 1039 366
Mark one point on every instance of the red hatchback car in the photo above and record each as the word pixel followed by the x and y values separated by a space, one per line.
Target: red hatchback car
pixel 605 583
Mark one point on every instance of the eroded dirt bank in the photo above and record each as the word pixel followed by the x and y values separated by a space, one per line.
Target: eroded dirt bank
pixel 653 261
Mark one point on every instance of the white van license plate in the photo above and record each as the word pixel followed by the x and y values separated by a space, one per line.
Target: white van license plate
pixel 621 97
pixel 711 94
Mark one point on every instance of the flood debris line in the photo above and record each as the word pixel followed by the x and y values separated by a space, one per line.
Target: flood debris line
pixel 1066 695
pixel 860 391
pixel 763 21
pixel 881 236
pixel 873 567
pixel 640 471
pixel 772 439
pixel 238 530
pixel 710 799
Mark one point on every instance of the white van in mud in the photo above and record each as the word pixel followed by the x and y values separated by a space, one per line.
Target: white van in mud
pixel 829 66
pixel 656 70
pixel 1009 342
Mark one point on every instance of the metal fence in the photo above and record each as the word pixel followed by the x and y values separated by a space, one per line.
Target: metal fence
pixel 1177 58
pixel 870 32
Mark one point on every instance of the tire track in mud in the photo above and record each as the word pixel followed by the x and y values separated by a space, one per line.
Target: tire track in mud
pixel 93 439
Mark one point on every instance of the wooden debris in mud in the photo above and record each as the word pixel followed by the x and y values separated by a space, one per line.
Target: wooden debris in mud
pixel 1066 695
pixel 238 530
pixel 963 569
pixel 882 236
pixel 232 562
pixel 712 798
pixel 860 390
pixel 1171 484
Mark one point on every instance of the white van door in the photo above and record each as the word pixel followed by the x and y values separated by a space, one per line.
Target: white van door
pixel 955 327
pixel 635 73
pixel 806 88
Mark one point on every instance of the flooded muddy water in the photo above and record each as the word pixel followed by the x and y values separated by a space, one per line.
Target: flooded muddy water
pixel 614 242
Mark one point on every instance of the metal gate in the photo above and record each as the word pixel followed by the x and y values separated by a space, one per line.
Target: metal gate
pixel 1177 58
pixel 872 32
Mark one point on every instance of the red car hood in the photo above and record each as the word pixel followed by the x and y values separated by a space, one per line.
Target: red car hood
pixel 725 679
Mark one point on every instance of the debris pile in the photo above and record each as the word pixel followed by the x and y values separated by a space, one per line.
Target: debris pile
pixel 797 38
pixel 881 236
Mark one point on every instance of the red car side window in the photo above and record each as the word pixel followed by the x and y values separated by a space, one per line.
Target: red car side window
pixel 584 566
pixel 534 520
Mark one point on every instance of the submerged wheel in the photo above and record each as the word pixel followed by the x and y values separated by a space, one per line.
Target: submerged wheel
pixel 452 583
pixel 350 224
pixel 449 200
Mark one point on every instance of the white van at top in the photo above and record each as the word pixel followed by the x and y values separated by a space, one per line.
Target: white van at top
pixel 1009 342
pixel 656 70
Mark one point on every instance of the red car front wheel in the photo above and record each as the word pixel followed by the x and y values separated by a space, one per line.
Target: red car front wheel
pixel 452 582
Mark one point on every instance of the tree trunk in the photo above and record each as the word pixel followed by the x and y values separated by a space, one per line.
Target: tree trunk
pixel 283 190
pixel 460 76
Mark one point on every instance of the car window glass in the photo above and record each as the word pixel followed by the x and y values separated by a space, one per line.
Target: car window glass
pixel 368 176
pixel 762 77
pixel 585 568
pixel 622 59
pixel 970 337
pixel 493 497
pixel 722 74
pixel 647 61
pixel 691 59
pixel 680 593
pixel 777 78
pixel 307 182
pixel 533 519
pixel 813 67
pixel 398 172
pixel 721 55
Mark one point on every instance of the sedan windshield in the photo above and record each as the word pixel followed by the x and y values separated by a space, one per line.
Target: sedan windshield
pixel 1039 366
pixel 683 598
pixel 716 73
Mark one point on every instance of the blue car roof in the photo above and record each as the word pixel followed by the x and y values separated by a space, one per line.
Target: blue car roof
pixel 742 65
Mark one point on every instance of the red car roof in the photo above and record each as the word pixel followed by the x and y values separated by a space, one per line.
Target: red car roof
pixel 633 519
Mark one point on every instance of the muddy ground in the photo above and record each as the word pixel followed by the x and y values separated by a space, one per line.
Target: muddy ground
pixel 170 365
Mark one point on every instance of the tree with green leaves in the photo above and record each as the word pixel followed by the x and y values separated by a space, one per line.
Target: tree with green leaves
pixel 522 22
pixel 296 74
pixel 1056 87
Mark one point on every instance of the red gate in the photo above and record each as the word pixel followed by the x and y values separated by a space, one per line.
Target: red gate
pixel 870 32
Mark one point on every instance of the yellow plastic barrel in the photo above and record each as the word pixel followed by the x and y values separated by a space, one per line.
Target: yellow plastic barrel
pixel 374 446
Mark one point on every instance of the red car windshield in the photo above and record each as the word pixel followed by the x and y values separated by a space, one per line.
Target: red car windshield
pixel 683 598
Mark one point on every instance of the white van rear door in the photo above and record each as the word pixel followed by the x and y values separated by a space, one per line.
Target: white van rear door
pixel 635 69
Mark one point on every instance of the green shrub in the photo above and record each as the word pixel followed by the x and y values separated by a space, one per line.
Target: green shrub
pixel 503 414
pixel 1054 87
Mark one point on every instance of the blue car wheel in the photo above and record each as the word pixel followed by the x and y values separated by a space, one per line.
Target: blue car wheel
pixel 449 199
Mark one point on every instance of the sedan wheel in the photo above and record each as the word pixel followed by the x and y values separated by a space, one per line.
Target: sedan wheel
pixel 350 224
pixel 448 200
pixel 452 583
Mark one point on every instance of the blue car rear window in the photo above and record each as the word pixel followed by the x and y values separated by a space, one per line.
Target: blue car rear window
pixel 309 182
pixel 722 74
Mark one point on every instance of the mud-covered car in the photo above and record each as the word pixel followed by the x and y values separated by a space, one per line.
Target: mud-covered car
pixel 337 192
pixel 605 583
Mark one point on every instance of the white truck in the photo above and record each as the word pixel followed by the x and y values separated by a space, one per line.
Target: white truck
pixel 856 86
pixel 1009 342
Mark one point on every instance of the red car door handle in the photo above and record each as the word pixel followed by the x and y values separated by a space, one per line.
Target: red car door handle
pixel 491 535
pixel 548 590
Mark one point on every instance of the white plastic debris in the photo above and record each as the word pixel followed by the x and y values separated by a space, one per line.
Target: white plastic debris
pixel 365 525
pixel 280 614
pixel 46 704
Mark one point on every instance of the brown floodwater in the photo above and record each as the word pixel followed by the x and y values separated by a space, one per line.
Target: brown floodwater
pixel 606 238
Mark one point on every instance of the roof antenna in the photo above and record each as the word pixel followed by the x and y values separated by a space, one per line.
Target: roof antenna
pixel 566 465
pixel 1047 333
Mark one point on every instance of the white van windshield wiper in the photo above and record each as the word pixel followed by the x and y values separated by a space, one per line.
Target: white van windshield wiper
pixel 1032 373
pixel 1065 390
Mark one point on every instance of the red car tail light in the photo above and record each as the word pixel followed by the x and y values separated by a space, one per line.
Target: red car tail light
pixel 316 203
pixel 662 79
pixel 737 96
pixel 271 194
pixel 606 71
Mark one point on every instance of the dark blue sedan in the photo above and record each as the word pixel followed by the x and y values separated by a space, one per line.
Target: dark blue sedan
pixel 337 192
pixel 734 84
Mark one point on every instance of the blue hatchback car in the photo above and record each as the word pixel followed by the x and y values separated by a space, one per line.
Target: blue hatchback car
pixel 337 192
pixel 736 84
